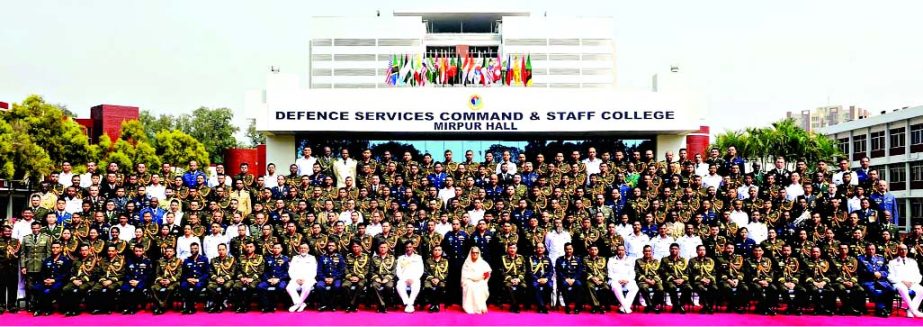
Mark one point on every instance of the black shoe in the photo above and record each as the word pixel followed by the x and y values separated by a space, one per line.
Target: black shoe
pixel 566 309
pixel 322 308
pixel 47 313
pixel 36 313
pixel 577 310
pixel 156 311
pixel 240 310
pixel 382 310
pixel 13 310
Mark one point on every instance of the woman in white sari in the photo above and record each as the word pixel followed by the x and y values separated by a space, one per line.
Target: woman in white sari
pixel 475 274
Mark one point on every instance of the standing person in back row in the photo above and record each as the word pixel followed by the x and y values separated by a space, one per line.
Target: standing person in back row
pixel 343 168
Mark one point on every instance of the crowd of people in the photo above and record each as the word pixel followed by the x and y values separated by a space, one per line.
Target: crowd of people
pixel 582 230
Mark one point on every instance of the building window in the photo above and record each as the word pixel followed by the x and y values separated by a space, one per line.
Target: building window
pixel 916 207
pixel 897 137
pixel 882 172
pixel 916 134
pixel 843 145
pixel 897 173
pixel 858 143
pixel 878 141
pixel 916 171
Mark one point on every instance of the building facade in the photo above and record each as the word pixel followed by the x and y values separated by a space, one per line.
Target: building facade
pixel 351 92
pixel 893 142
pixel 820 117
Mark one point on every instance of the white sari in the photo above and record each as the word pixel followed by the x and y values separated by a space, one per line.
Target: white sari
pixel 474 285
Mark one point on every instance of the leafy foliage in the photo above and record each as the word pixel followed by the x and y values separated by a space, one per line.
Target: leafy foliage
pixel 179 148
pixel 255 137
pixel 782 138
pixel 212 127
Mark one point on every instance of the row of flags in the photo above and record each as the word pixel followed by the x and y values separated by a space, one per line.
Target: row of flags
pixel 443 69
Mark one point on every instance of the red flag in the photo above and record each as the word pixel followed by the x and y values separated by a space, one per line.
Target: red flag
pixel 4 105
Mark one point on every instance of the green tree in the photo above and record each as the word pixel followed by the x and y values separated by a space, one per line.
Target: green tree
pixel 179 148
pixel 213 128
pixel 20 157
pixel 153 124
pixel 61 137
pixel 782 138
pixel 255 137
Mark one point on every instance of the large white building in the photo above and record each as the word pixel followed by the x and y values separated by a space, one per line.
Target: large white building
pixel 893 141
pixel 346 96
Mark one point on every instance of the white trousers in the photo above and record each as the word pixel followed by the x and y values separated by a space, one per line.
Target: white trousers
pixel 410 298
pixel 293 290
pixel 626 300
pixel 904 292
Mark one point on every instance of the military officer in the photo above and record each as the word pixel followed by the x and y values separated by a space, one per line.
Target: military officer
pixel 9 254
pixel 597 275
pixel 435 272
pixel 35 248
pixel 455 248
pixel 137 278
pixel 220 281
pixel 194 278
pixel 357 271
pixel 250 268
pixel 874 279
pixel 51 278
pixel 817 272
pixel 112 270
pixel 274 280
pixel 733 287
pixel 382 276
pixel 84 275
pixel 541 273
pixel 759 272
pixel 673 270
pixel 570 272
pixel 332 268
pixel 166 280
pixel 647 272
pixel 702 275
pixel 789 281
pixel 846 283
pixel 514 277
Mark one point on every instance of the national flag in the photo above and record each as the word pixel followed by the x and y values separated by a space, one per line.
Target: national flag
pixel 4 105
pixel 527 72
pixel 517 70
pixel 508 73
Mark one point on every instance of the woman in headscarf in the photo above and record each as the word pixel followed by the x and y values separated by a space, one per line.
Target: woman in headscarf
pixel 475 274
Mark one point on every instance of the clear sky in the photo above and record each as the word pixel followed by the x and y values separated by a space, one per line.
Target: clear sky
pixel 753 61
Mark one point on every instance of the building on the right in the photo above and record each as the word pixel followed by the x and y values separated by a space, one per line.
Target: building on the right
pixel 820 117
pixel 893 141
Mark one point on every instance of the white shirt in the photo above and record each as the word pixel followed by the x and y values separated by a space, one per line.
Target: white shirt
pixel 793 191
pixel 158 191
pixel 620 269
pixel 73 205
pixel 213 181
pixel 445 194
pixel 177 218
pixel 86 179
pixel 740 218
pixel 443 228
pixel 476 215
pixel 271 181
pixel 904 269
pixel 757 231
pixel 701 169
pixel 303 266
pixel 347 217
pixel 231 231
pixel 555 241
pixel 65 179
pixel 712 180
pixel 687 245
pixel 22 228
pixel 634 244
pixel 343 169
pixel 408 267
pixel 661 246
pixel 305 166
pixel 854 204
pixel 623 230
pixel 373 229
pixel 511 167
pixel 210 244
pixel 592 166
pixel 126 232
pixel 182 246
pixel 838 178
pixel 743 192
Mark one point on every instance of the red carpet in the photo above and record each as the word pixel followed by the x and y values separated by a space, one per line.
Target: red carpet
pixel 452 317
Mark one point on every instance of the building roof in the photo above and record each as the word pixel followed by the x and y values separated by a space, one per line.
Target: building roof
pixel 873 121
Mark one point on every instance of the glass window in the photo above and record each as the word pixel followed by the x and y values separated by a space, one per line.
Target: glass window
pixel 843 145
pixel 916 134
pixel 898 174
pixel 916 171
pixel 858 143
pixel 898 139
pixel 878 140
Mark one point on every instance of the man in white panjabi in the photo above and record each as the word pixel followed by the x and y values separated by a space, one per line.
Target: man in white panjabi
pixel 622 279
pixel 474 277
pixel 302 270
pixel 905 275
pixel 409 270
